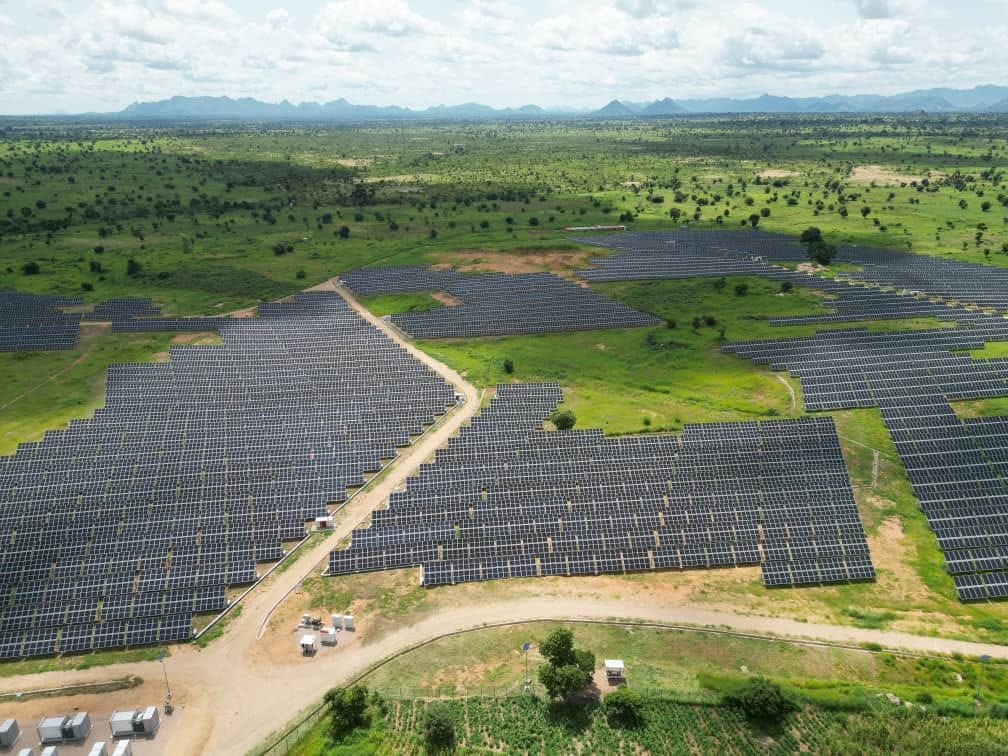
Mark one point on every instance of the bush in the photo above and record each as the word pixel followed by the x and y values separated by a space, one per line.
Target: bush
pixel 786 286
pixel 87 286
pixel 96 267
pixel 439 727
pixel 761 698
pixel 624 708
pixel 508 365
pixel 344 232
pixel 741 289
pixel 347 710
pixel 300 275
pixel 133 268
pixel 563 419
pixel 30 269
pixel 99 249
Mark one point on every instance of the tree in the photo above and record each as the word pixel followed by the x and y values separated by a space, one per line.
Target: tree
pixel 133 267
pixel 569 669
pixel 344 232
pixel 96 266
pixel 508 365
pixel 865 211
pixel 985 205
pixel 822 253
pixel 624 708
pixel 810 235
pixel 761 698
pixel 439 727
pixel 754 220
pixel 764 212
pixel 347 709
pixel 563 419
pixel 30 268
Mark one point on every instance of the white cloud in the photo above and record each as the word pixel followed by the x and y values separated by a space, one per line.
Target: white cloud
pixel 108 53
pixel 873 8
pixel 609 30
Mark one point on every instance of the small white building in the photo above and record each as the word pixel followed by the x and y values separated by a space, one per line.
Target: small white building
pixel 308 645
pixel 614 669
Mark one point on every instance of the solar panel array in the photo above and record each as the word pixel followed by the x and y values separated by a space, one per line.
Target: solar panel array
pixel 956 466
pixel 118 529
pixel 507 499
pixel 492 304
pixel 123 308
pixel 35 322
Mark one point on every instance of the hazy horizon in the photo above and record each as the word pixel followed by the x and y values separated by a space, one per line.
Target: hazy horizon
pixel 72 56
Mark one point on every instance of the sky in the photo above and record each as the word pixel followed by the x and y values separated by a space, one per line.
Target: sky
pixel 72 56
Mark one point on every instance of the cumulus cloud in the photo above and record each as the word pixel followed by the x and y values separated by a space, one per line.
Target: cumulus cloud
pixel 874 8
pixel 107 53
pixel 609 30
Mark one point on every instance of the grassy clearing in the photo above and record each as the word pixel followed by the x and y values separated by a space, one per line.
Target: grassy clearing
pixel 45 390
pixel 79 661
pixel 686 662
pixel 388 304
pixel 657 378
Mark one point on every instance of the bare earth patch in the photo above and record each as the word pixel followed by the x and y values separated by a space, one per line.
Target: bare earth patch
pixel 631 184
pixel 777 173
pixel 896 577
pixel 354 162
pixel 882 175
pixel 809 267
pixel 536 261
pixel 446 299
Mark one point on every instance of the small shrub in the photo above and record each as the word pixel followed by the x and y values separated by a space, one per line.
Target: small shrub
pixel 31 268
pixel 133 268
pixel 786 287
pixel 347 710
pixel 761 698
pixel 624 708
pixel 300 275
pixel 508 365
pixel 563 419
pixel 439 727
pixel 87 286
pixel 741 289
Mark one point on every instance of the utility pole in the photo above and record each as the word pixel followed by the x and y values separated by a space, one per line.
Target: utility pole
pixel 528 683
pixel 983 659
pixel 168 704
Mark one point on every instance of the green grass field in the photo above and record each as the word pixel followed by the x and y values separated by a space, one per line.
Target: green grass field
pixel 220 219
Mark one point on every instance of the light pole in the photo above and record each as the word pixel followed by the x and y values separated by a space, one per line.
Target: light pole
pixel 983 658
pixel 161 658
pixel 528 683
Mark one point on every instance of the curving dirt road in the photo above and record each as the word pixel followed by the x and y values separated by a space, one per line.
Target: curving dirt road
pixel 229 698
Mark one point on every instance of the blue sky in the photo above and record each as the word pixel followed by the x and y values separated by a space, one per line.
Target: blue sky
pixel 87 55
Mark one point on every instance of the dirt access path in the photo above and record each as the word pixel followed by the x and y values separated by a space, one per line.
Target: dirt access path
pixel 230 696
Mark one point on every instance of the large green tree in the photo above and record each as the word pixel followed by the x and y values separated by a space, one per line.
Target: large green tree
pixel 568 669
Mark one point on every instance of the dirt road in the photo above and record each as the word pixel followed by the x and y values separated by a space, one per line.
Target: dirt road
pixel 229 697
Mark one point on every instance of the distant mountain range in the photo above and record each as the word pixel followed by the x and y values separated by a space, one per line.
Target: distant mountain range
pixel 982 99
